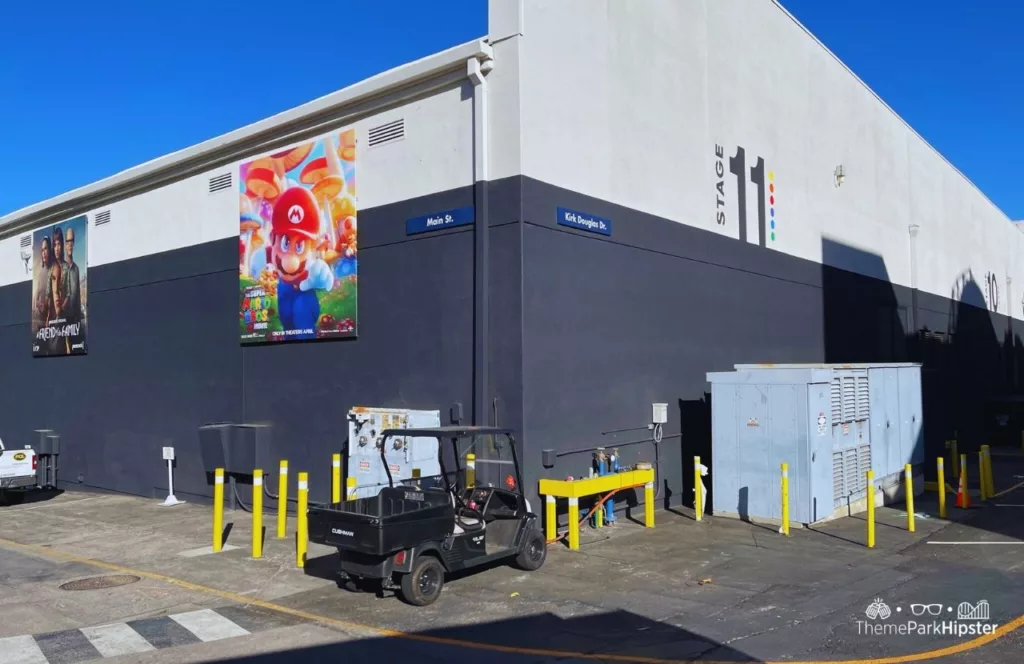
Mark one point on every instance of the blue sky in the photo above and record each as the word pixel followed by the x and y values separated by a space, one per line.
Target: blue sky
pixel 92 88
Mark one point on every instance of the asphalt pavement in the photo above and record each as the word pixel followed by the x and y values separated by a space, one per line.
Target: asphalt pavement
pixel 715 590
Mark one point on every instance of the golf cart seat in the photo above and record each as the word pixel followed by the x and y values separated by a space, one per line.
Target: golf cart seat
pixel 471 523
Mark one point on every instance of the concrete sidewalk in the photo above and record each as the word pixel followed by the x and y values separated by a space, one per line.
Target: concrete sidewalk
pixel 718 590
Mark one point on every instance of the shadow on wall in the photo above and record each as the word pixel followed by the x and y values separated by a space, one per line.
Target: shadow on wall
pixel 695 420
pixel 970 356
pixel 540 637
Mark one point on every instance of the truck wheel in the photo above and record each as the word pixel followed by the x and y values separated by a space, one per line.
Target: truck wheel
pixel 422 586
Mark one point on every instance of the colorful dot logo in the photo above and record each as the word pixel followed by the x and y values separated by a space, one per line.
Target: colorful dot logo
pixel 771 201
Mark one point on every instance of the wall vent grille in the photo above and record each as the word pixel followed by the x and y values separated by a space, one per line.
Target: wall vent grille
pixel 102 218
pixel 387 133
pixel 26 241
pixel 220 183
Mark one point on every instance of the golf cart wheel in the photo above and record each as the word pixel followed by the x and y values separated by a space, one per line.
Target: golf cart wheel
pixel 422 586
pixel 535 551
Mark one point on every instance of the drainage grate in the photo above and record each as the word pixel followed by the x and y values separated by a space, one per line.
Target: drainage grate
pixel 100 582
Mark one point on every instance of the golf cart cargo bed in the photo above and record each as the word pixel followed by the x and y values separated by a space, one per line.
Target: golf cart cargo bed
pixel 396 518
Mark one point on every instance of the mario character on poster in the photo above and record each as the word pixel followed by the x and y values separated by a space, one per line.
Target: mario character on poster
pixel 60 288
pixel 297 260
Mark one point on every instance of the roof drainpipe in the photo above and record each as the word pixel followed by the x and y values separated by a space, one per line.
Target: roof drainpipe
pixel 475 70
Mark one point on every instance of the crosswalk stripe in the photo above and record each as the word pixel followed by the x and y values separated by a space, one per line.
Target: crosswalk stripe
pixel 116 639
pixel 163 632
pixel 21 650
pixel 66 647
pixel 208 625
pixel 138 636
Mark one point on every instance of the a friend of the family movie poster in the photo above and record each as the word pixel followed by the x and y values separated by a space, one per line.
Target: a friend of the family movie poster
pixel 60 288
pixel 297 253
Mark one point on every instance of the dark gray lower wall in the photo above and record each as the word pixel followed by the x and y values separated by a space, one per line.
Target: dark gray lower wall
pixel 585 333
pixel 613 324
pixel 164 355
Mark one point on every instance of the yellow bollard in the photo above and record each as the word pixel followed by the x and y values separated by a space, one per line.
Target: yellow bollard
pixel 574 524
pixel 282 499
pixel 908 471
pixel 218 510
pixel 551 517
pixel 982 482
pixel 301 528
pixel 941 472
pixel 335 478
pixel 698 497
pixel 649 504
pixel 257 513
pixel 350 488
pixel 870 494
pixel 990 485
pixel 599 516
pixel 471 471
pixel 785 499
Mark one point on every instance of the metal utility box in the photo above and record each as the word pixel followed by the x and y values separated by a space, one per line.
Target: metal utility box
pixel 237 448
pixel 830 423
pixel 407 457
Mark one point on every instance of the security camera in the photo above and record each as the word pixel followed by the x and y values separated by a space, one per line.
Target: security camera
pixel 25 259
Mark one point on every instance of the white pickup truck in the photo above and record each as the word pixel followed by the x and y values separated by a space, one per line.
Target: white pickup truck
pixel 17 474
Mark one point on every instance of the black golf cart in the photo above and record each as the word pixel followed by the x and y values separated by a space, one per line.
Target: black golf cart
pixel 409 536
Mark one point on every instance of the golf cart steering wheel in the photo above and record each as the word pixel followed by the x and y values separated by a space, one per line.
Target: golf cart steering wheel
pixel 469 513
pixel 462 510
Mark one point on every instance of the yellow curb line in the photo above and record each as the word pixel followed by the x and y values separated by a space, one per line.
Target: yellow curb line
pixel 44 552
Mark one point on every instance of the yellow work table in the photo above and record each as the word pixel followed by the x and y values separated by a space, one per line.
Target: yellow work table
pixel 590 486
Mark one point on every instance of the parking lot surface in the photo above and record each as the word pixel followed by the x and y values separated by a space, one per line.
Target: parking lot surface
pixel 716 590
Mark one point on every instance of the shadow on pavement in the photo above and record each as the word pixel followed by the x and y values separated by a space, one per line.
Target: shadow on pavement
pixel 617 634
pixel 37 496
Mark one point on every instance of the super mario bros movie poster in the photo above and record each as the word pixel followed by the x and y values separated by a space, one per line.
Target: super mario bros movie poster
pixel 60 288
pixel 297 253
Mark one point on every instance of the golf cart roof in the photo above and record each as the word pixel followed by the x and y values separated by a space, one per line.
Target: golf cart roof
pixel 454 431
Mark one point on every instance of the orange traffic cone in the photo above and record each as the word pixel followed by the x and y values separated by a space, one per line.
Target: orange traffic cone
pixel 963 496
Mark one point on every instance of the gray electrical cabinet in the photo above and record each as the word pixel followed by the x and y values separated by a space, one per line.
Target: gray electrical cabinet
pixel 829 423
pixel 407 457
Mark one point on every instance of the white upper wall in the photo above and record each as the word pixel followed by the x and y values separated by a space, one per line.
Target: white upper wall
pixel 629 101
pixel 436 154
pixel 626 100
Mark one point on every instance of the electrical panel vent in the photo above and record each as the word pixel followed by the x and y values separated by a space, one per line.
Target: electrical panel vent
pixel 850 472
pixel 102 218
pixel 387 133
pixel 26 241
pixel 838 485
pixel 850 398
pixel 220 182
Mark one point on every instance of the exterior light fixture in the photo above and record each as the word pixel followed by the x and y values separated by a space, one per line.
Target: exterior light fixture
pixel 840 175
